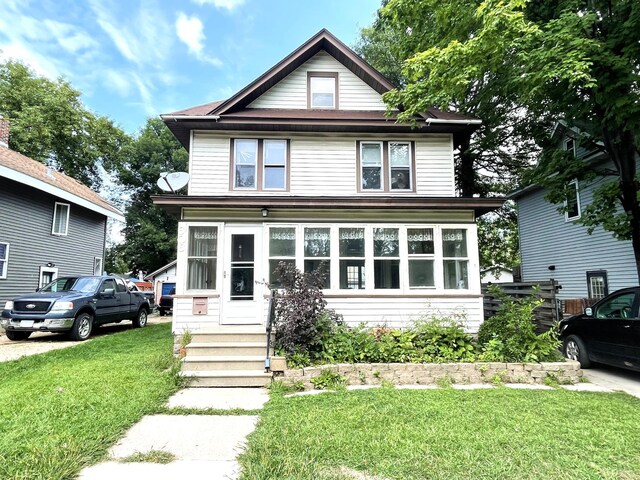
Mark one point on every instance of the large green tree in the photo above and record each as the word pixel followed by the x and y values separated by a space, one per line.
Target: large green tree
pixel 49 123
pixel 576 60
pixel 150 233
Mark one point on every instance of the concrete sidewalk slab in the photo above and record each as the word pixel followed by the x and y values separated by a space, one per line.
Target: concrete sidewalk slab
pixel 615 379
pixel 220 398
pixel 528 386
pixel 186 469
pixel 587 387
pixel 188 437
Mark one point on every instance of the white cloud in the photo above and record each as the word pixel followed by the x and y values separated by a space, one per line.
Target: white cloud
pixel 190 31
pixel 41 64
pixel 117 81
pixel 228 4
pixel 70 37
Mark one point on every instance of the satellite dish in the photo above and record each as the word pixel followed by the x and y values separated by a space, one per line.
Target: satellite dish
pixel 172 181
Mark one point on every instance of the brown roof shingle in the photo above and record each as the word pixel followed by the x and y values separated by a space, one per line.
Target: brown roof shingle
pixel 36 170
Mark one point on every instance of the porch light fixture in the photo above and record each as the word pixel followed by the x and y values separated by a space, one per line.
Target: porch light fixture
pixel 265 212
pixel 551 267
pixel 51 264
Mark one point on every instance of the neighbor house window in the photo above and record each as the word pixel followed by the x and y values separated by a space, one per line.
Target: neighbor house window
pixel 97 265
pixel 260 164
pixel 4 259
pixel 597 284
pixel 60 219
pixel 323 90
pixel 351 247
pixel 317 251
pixel 385 166
pixel 421 252
pixel 386 258
pixel 282 248
pixel 202 258
pixel 572 202
pixel 570 145
pixel 455 259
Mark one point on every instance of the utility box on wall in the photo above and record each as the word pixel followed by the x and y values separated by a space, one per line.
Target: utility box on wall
pixel 200 305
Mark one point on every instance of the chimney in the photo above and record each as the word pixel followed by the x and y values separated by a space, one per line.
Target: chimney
pixel 4 132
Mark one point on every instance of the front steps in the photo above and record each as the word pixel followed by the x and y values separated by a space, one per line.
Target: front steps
pixel 227 357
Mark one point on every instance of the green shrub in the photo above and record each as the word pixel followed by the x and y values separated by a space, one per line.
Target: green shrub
pixel 509 335
pixel 329 380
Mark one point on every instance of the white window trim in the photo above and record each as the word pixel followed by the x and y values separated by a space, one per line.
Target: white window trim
pixel 566 143
pixel 265 166
pixel 567 218
pixel 182 268
pixel 411 161
pixel 66 224
pixel 362 165
pixel 99 272
pixel 43 270
pixel 334 103
pixel 5 270
pixel 422 256
pixel 255 166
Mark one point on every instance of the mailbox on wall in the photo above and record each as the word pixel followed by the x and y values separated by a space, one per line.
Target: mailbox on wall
pixel 200 305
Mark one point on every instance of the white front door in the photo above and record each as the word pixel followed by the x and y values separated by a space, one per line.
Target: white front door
pixel 242 288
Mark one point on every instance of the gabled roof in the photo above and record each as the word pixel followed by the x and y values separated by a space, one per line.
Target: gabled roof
pixel 233 114
pixel 160 270
pixel 22 169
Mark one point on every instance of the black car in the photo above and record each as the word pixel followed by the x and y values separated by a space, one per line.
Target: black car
pixel 608 332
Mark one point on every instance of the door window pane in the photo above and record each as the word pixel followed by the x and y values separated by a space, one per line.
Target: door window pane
pixel 246 154
pixel 352 270
pixel 202 258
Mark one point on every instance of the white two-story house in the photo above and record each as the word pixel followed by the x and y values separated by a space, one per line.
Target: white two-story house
pixel 303 166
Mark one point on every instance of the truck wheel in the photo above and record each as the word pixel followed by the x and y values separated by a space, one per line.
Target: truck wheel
pixel 11 335
pixel 82 327
pixel 141 319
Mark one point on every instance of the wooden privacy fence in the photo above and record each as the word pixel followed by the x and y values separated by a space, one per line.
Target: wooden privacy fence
pixel 545 315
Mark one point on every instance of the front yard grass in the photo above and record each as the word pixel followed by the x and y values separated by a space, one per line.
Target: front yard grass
pixel 62 410
pixel 447 434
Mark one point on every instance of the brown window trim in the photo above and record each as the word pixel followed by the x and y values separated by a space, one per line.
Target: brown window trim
pixel 333 75
pixel 386 170
pixel 259 166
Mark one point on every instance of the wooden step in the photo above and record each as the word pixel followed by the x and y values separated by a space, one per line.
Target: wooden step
pixel 227 378
pixel 236 362
pixel 223 349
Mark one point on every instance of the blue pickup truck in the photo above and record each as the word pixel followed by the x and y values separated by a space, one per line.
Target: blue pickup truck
pixel 74 305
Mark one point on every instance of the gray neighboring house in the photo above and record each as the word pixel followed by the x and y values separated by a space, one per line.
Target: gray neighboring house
pixel 50 224
pixel 554 245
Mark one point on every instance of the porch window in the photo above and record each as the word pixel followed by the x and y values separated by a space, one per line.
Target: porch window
pixel 400 165
pixel 317 250
pixel 351 248
pixel 420 248
pixel 60 219
pixel 202 258
pixel 455 259
pixel 371 165
pixel 4 259
pixel 245 163
pixel 386 258
pixel 282 248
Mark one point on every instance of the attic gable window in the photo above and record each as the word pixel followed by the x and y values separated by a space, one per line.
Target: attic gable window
pixel 322 88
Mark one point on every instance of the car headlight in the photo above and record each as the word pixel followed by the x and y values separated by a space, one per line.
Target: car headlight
pixel 62 306
pixel 8 305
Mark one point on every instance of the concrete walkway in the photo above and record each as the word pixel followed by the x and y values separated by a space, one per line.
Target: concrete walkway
pixel 203 446
pixel 614 379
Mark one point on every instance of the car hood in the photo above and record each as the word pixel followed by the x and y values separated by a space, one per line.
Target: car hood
pixel 51 296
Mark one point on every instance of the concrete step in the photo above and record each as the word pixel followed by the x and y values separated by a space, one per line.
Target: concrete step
pixel 204 362
pixel 228 378
pixel 233 335
pixel 222 349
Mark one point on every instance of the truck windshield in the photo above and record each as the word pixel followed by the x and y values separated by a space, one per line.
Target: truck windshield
pixel 78 284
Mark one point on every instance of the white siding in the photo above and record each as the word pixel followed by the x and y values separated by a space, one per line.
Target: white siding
pixel 184 319
pixel 321 166
pixel 291 92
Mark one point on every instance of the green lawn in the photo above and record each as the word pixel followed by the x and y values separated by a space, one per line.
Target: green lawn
pixel 62 410
pixel 447 434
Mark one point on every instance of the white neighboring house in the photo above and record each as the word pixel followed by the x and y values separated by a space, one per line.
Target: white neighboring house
pixel 166 274
pixel 303 166
pixel 496 275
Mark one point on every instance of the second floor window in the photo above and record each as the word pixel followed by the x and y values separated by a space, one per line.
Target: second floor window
pixel 386 166
pixel 4 259
pixel 572 202
pixel 260 164
pixel 60 219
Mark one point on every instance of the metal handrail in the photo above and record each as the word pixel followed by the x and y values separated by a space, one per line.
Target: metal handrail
pixel 270 316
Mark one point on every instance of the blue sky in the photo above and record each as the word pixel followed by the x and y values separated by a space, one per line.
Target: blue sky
pixel 135 59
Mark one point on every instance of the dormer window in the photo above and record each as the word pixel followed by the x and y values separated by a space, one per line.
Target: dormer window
pixel 323 90
pixel 570 146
